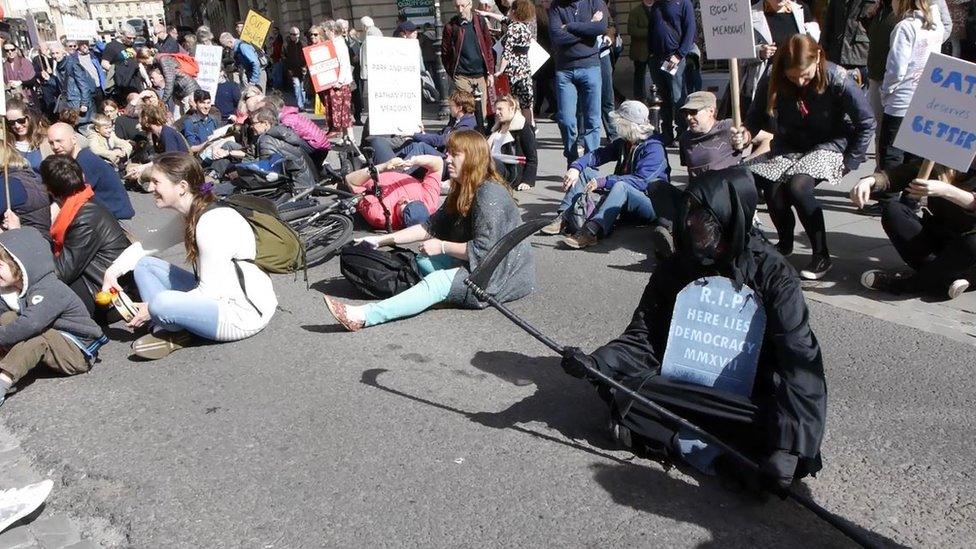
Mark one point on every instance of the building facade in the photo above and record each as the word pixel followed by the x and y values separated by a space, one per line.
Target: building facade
pixel 110 14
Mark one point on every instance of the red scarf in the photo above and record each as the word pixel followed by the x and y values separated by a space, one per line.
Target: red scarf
pixel 67 214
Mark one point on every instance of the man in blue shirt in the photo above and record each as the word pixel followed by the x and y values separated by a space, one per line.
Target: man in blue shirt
pixel 247 59
pixel 102 177
pixel 671 39
pixel 198 126
pixel 576 28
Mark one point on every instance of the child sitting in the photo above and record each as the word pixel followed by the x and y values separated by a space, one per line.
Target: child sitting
pixel 104 143
pixel 44 320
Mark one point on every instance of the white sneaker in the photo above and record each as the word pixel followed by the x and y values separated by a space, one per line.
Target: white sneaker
pixel 958 287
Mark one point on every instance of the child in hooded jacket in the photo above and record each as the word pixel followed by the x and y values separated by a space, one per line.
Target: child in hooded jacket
pixel 43 320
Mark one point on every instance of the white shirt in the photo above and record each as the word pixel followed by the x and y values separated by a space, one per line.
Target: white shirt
pixel 910 49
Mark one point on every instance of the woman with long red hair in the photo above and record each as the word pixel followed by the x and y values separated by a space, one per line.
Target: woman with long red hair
pixel 822 123
pixel 478 211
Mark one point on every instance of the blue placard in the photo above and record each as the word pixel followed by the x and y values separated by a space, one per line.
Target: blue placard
pixel 716 336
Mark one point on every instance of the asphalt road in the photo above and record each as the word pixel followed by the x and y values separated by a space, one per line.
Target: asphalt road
pixel 456 429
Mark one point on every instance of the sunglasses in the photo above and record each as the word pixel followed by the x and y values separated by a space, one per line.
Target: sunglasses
pixel 9 50
pixel 72 47
pixel 18 121
pixel 315 34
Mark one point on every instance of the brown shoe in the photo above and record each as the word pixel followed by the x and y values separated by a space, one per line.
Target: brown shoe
pixel 580 240
pixel 338 310
pixel 554 228
pixel 159 344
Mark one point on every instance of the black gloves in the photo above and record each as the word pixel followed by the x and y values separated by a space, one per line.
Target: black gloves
pixel 575 362
pixel 778 471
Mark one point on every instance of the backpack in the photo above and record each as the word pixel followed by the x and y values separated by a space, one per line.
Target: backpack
pixel 579 212
pixel 378 273
pixel 278 247
pixel 184 63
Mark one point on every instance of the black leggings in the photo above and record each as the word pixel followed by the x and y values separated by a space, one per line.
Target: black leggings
pixel 796 193
pixel 936 254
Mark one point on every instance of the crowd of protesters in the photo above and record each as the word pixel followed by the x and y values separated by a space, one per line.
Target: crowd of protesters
pixel 89 123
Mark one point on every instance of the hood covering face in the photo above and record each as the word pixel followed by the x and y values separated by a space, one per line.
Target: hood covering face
pixel 31 252
pixel 729 198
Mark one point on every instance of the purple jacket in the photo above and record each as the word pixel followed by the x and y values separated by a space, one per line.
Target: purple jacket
pixel 305 128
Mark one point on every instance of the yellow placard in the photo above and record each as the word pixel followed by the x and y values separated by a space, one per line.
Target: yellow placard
pixel 255 28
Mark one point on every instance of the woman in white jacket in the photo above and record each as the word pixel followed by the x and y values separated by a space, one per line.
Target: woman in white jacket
pixel 227 298
pixel 917 34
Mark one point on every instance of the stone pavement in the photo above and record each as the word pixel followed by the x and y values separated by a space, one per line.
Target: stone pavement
pixel 44 528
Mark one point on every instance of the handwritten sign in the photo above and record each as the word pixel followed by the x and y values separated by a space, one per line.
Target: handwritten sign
pixel 255 28
pixel 727 29
pixel 323 65
pixel 79 29
pixel 716 335
pixel 393 65
pixel 941 119
pixel 209 59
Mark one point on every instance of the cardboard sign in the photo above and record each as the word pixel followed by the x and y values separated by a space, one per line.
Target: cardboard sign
pixel 716 335
pixel 393 65
pixel 537 55
pixel 323 64
pixel 209 59
pixel 255 28
pixel 727 29
pixel 941 119
pixel 420 12
pixel 80 29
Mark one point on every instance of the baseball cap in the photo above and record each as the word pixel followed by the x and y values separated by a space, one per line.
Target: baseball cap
pixel 699 100
pixel 414 213
pixel 633 111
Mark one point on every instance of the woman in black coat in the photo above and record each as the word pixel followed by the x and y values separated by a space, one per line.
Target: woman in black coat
pixel 513 146
pixel 781 422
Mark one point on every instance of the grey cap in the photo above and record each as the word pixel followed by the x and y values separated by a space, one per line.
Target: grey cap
pixel 633 111
pixel 699 100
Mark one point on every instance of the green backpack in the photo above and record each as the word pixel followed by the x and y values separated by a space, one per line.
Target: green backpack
pixel 278 247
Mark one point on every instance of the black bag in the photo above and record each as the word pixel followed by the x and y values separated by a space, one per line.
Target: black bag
pixel 379 273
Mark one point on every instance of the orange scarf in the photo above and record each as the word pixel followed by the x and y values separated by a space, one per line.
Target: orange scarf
pixel 67 214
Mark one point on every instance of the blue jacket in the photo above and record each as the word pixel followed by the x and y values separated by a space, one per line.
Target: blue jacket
pixel 97 62
pixel 76 84
pixel 198 128
pixel 673 28
pixel 638 166
pixel 228 96
pixel 246 58
pixel 577 45
pixel 439 140
pixel 106 183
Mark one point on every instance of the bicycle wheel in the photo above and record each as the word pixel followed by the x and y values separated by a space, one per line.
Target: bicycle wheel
pixel 294 213
pixel 323 236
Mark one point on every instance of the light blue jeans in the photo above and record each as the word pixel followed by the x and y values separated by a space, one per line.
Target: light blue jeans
pixel 622 198
pixel 296 85
pixel 573 85
pixel 164 287
pixel 438 270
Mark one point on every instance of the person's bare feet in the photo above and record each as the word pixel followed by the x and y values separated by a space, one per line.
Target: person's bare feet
pixel 338 310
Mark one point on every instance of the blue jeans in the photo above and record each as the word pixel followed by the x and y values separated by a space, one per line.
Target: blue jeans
pixel 299 90
pixel 606 97
pixel 671 89
pixel 622 198
pixel 573 85
pixel 164 288
pixel 439 272
pixel 577 188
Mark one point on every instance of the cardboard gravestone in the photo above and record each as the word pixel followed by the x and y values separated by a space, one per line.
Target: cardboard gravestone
pixel 716 336
pixel 393 65
pixel 940 124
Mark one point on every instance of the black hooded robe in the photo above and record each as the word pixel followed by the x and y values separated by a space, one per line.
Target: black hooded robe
pixel 787 409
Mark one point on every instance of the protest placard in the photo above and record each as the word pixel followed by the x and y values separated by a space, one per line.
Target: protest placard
pixel 79 29
pixel 209 59
pixel 727 29
pixel 255 28
pixel 393 65
pixel 941 118
pixel 716 335
pixel 323 64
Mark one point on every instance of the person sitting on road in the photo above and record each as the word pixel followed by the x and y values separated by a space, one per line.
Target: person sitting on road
pixel 478 211
pixel 228 299
pixel 776 416
pixel 513 146
pixel 199 125
pixel 104 143
pixel 154 118
pixel 27 131
pixel 28 196
pixel 43 321
pixel 461 105
pixel 642 164
pixel 277 139
pixel 940 247
pixel 85 236
pixel 99 174
pixel 406 200
pixel 707 144
pixel 315 141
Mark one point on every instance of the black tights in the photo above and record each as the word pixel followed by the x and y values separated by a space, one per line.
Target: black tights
pixel 938 255
pixel 782 198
